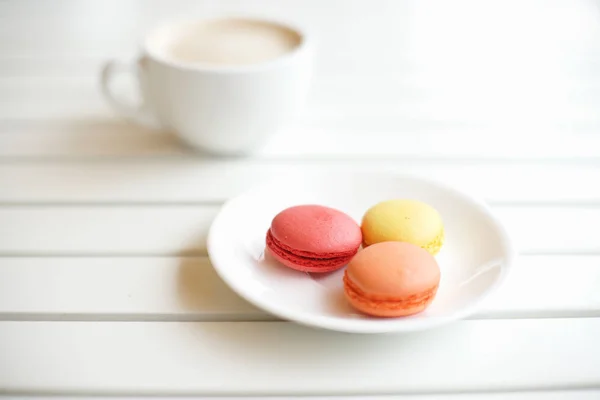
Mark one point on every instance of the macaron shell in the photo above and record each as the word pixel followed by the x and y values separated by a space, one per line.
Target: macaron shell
pixel 313 238
pixel 404 221
pixel 392 279
pixel 394 269
pixel 303 263
pixel 317 230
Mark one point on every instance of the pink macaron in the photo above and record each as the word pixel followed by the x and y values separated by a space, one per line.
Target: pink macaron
pixel 313 238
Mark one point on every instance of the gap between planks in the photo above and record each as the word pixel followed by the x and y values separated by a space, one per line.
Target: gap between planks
pixel 328 160
pixel 204 358
pixel 179 231
pixel 219 202
pixel 125 318
pixel 189 182
pixel 570 392
pixel 590 394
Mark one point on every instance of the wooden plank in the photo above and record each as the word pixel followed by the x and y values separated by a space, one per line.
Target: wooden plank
pixel 188 289
pixel 580 76
pixel 548 286
pixel 412 102
pixel 200 180
pixel 559 30
pixel 84 138
pixel 158 288
pixel 406 91
pixel 119 230
pixel 205 358
pixel 182 229
pixel 552 230
pixel 57 98
pixel 342 137
pixel 406 117
pixel 52 67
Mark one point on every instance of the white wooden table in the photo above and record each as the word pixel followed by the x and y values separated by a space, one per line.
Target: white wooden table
pixel 105 288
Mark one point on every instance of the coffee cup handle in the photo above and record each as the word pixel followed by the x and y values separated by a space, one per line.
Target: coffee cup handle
pixel 136 113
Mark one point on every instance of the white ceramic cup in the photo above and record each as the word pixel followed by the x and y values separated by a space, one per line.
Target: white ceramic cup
pixel 222 109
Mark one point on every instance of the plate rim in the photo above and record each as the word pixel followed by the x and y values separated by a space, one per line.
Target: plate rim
pixel 363 327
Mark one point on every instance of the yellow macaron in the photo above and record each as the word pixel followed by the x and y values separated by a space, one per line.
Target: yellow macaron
pixel 409 221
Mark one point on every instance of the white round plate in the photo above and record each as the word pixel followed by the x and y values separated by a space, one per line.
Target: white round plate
pixel 474 260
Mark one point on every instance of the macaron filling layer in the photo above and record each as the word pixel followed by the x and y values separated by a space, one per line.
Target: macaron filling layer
pixel 387 303
pixel 305 260
pixel 308 254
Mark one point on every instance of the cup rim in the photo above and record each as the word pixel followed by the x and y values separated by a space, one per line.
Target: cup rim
pixel 284 59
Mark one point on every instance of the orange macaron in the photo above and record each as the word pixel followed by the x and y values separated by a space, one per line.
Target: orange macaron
pixel 391 279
